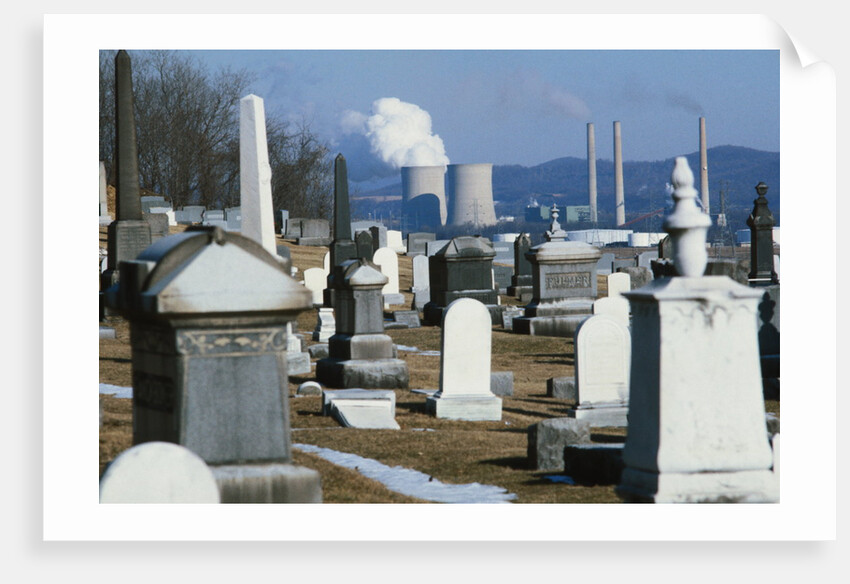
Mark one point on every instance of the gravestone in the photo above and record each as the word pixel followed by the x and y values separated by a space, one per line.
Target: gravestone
pixel 387 260
pixel 638 276
pixel 502 276
pixel 315 280
pixel 603 266
pixel 372 409
pixel 158 223
pixel 379 236
pixel 645 258
pixel 416 242
pixel 433 247
pixel 421 278
pixel 325 325
pixel 255 174
pixel 208 311
pixel 395 241
pixel 622 263
pixel 308 388
pixel 129 234
pixel 343 247
pixel 696 412
pixel 618 282
pixel 297 360
pixel 293 228
pixel 285 257
pixel 603 358
pixel 360 354
pixel 192 214
pixel 315 232
pixel 363 242
pixel 149 201
pixel 465 344
pixel 522 280
pixel 665 248
pixel 233 217
pixel 761 225
pixel 768 340
pixel 509 314
pixel 283 217
pixel 409 318
pixel 563 284
pixel 158 472
pixel 213 215
pixel 462 269
pixel 548 438
pixel 614 306
pixel 502 383
pixel 167 211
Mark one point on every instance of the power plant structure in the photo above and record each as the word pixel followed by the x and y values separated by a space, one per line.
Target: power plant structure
pixel 703 168
pixel 591 172
pixel 470 190
pixel 423 200
pixel 619 197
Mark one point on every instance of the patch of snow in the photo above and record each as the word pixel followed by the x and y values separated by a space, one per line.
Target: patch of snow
pixel 116 390
pixel 416 350
pixel 411 482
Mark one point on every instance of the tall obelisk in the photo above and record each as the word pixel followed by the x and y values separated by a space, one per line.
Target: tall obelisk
pixel 129 234
pixel 343 246
pixel 619 197
pixel 703 168
pixel 591 172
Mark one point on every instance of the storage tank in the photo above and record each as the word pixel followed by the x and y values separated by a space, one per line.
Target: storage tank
pixel 470 191
pixel 423 200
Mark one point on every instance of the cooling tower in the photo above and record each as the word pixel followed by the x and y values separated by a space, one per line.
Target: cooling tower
pixel 470 190
pixel 423 200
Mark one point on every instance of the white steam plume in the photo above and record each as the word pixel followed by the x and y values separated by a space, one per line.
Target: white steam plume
pixel 397 134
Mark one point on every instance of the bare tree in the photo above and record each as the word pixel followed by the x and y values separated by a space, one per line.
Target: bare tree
pixel 188 133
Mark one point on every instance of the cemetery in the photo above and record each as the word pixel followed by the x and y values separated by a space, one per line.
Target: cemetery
pixel 249 362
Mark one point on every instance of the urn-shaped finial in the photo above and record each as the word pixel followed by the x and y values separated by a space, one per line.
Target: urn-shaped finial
pixel 687 224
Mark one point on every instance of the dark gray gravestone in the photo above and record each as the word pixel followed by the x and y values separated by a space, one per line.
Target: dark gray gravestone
pixel 761 224
pixel 638 276
pixel 365 249
pixel 193 214
pixel 343 247
pixel 622 263
pixel 316 232
pixel 158 223
pixel 502 275
pixel 129 234
pixel 208 312
pixel 293 228
pixel 603 266
pixel 379 236
pixel 665 248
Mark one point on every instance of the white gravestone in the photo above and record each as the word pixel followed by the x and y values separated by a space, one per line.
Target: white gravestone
pixel 158 472
pixel 387 259
pixel 465 346
pixel 255 174
pixel 395 241
pixel 105 218
pixel 315 280
pixel 615 306
pixel 618 282
pixel 326 263
pixel 603 349
pixel 696 406
pixel 421 278
pixel 325 325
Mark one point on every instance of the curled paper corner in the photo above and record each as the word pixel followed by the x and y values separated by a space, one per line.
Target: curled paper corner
pixel 791 44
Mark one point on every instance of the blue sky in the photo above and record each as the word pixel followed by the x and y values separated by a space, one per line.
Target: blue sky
pixel 528 106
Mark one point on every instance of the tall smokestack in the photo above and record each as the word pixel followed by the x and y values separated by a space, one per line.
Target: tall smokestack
pixel 591 172
pixel 470 193
pixel 619 199
pixel 703 167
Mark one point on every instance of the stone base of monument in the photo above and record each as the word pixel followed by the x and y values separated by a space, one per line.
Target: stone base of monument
pixel 749 486
pixel 314 241
pixel 107 332
pixel 547 439
pixel 363 373
pixel 318 351
pixel 594 464
pixel 459 407
pixel 564 325
pixel 601 415
pixel 433 314
pixel 523 293
pixel 361 408
pixel 271 482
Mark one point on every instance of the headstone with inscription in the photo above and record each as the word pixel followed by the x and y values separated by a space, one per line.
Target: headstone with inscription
pixel 363 242
pixel 129 234
pixel 564 285
pixel 158 223
pixel 208 312
pixel 462 269
pixel 315 232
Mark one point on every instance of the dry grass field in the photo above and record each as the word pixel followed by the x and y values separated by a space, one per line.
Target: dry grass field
pixel 490 453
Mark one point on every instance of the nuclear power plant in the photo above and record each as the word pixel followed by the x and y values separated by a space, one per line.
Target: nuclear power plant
pixel 423 196
pixel 470 189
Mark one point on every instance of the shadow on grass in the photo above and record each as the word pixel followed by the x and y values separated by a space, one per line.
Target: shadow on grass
pixel 607 438
pixel 511 462
pixel 116 359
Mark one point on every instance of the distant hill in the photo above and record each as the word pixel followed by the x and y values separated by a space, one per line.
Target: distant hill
pixel 732 169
